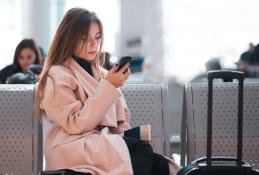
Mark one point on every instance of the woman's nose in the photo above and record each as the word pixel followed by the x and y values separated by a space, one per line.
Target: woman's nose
pixel 92 42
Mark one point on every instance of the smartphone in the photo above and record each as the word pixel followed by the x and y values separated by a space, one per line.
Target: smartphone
pixel 124 60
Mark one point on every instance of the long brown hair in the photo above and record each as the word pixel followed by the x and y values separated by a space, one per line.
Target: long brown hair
pixel 73 26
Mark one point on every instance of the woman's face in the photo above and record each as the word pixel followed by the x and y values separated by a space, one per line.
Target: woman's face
pixel 88 46
pixel 26 58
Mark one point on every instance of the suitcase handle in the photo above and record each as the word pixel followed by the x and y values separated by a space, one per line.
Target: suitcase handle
pixel 218 158
pixel 225 75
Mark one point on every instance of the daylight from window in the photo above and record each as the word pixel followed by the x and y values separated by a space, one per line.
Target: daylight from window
pixel 196 31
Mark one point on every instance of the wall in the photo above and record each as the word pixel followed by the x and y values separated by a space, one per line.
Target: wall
pixel 36 21
pixel 143 19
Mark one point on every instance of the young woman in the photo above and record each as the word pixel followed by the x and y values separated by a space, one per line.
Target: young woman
pixel 87 110
pixel 26 54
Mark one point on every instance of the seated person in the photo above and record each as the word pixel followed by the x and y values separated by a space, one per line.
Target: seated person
pixel 87 110
pixel 26 54
pixel 246 60
pixel 107 63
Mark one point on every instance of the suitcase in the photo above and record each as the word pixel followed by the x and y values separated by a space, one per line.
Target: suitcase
pixel 221 165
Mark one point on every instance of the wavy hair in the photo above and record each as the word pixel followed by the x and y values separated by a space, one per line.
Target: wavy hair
pixel 73 26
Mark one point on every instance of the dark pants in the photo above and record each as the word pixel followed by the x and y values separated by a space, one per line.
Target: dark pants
pixel 144 160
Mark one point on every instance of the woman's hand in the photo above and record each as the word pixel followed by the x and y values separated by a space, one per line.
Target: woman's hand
pixel 118 78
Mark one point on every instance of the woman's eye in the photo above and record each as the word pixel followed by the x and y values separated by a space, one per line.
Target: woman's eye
pixel 98 37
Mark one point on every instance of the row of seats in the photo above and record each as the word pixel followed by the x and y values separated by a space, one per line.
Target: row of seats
pixel 21 131
pixel 224 140
pixel 21 135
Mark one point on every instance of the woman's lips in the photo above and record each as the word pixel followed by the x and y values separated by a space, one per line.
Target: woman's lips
pixel 93 52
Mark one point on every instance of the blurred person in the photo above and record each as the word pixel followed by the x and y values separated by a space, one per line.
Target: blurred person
pixel 246 60
pixel 213 64
pixel 107 63
pixel 255 55
pixel 86 108
pixel 245 57
pixel 26 54
pixel 253 71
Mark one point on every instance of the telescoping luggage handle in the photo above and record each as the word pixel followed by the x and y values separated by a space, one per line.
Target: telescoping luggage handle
pixel 225 75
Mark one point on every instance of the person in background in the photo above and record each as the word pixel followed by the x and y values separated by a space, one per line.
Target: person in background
pixel 213 64
pixel 107 63
pixel 255 55
pixel 26 54
pixel 87 111
pixel 246 57
pixel 246 60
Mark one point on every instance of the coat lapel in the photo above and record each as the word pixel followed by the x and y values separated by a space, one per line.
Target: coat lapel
pixel 88 82
pixel 89 85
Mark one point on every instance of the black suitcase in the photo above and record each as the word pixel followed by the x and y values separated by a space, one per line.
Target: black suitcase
pixel 221 165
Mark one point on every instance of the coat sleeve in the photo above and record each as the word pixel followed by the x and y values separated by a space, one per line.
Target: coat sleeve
pixel 123 125
pixel 63 108
pixel 122 111
pixel 123 115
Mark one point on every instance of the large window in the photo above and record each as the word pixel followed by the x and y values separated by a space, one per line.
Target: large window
pixel 109 13
pixel 10 29
pixel 196 31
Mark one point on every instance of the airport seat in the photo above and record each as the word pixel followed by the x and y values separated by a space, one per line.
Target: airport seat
pixel 19 131
pixel 148 104
pixel 194 121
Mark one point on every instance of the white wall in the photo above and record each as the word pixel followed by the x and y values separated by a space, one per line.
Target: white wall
pixel 10 30
pixel 142 18
pixel 196 31
pixel 108 12
pixel 36 21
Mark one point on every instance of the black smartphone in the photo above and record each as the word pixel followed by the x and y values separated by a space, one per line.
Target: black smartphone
pixel 124 60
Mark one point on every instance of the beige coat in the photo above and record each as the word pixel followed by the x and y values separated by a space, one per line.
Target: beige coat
pixel 85 112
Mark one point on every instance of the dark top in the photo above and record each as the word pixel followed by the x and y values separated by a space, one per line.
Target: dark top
pixel 86 65
pixel 6 72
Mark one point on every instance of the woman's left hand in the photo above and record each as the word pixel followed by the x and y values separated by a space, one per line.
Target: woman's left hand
pixel 118 78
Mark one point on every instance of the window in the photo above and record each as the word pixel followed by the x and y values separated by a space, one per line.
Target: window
pixel 10 29
pixel 195 31
pixel 109 14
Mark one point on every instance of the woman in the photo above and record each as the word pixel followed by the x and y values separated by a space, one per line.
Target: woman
pixel 87 110
pixel 26 54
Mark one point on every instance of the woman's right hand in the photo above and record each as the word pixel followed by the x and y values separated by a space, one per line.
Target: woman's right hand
pixel 118 78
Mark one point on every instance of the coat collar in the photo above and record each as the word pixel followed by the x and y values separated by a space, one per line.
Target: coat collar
pixel 88 82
